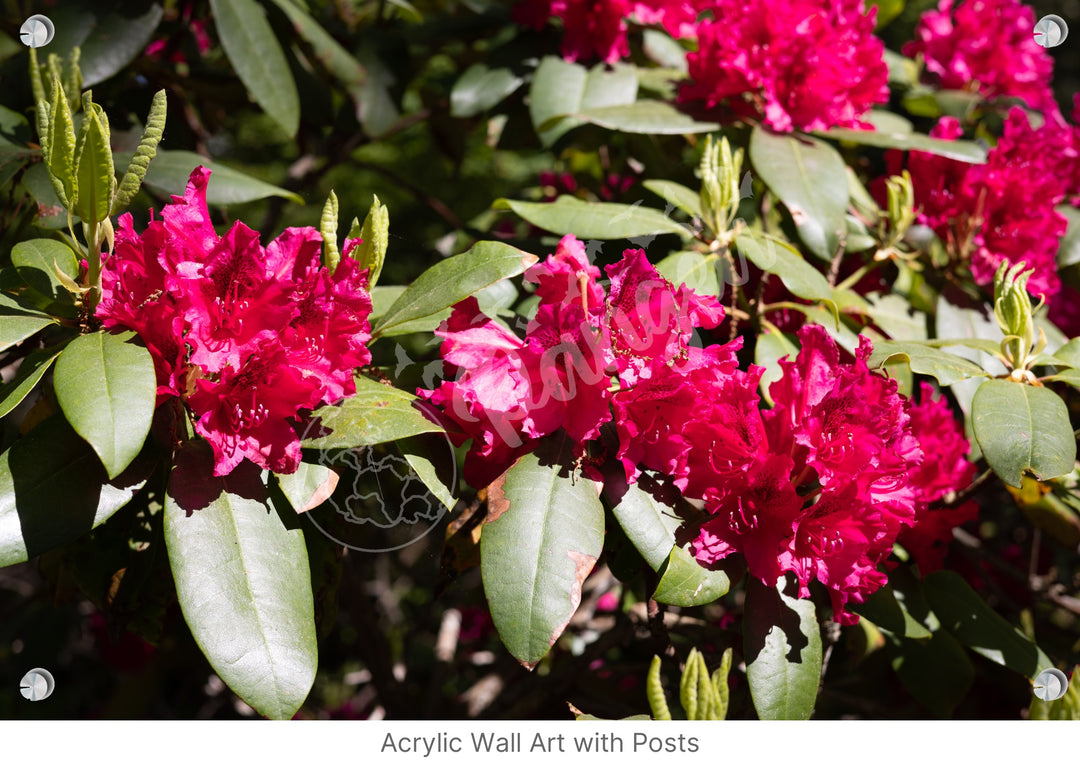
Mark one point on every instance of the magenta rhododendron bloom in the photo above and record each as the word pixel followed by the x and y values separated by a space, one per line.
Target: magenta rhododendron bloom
pixel 249 337
pixel 797 64
pixel 944 469
pixel 1002 210
pixel 986 46
pixel 824 485
pixel 595 29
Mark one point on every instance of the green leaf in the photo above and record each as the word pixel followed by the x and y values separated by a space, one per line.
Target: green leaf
pixel 561 88
pixel 51 213
pixel 809 178
pixel 454 279
pixel 686 199
pixel 782 645
pixel 480 88
pixel 37 262
pixel 684 582
pixel 966 615
pixel 1070 353
pixel 106 386
pixel 144 154
pixel 375 414
pixel 256 55
pixel 1069 247
pixel 1022 428
pixel 935 670
pixel 30 372
pixel 773 255
pixel 649 526
pixel 961 150
pixel 771 346
pixel 95 168
pixel 115 40
pixel 884 610
pixel 243 583
pixel 543 535
pixel 338 62
pixel 169 172
pixel 328 224
pixel 945 367
pixel 59 152
pixel 18 322
pixel 887 10
pixel 893 315
pixel 593 220
pixel 308 486
pixel 374 234
pixel 644 117
pixel 664 50
pixel 53 490
pixel 435 467
pixel 699 271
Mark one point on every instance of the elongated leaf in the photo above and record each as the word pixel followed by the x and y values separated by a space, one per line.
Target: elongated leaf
pixel 53 490
pixel 884 610
pixel 257 57
pixel 684 582
pixel 945 367
pixel 114 42
pixel 375 414
pixel 664 50
pixel 371 252
pixel 144 154
pixel 542 538
pixel 60 149
pixel 593 220
pixel 1021 428
pixel 328 224
pixel 1070 353
pixel 686 199
pixel 480 88
pixel 95 169
pixel 30 372
pixel 169 172
pixel 244 585
pixel 338 62
pixel 964 613
pixel 648 524
pixel 563 89
pixel 37 262
pixel 308 486
pixel 783 652
pixel 645 117
pixel 1069 247
pixel 809 178
pixel 892 314
pixel 431 457
pixel 17 322
pixel 935 670
pixel 783 260
pixel 771 346
pixel 106 386
pixel 960 150
pixel 454 279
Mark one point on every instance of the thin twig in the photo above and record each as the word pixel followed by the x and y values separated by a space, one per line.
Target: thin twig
pixel 954 499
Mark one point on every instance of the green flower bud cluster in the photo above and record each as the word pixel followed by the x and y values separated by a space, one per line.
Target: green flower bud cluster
pixel 1016 318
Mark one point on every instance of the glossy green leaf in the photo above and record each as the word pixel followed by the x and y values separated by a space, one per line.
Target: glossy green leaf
pixel 562 89
pixel 782 645
pixel 59 151
pixel 935 670
pixel 699 271
pixel 431 457
pixel 1069 247
pixel 480 88
pixel 966 615
pixel 893 314
pixel 454 279
pixel 961 150
pixel 1070 353
pixel 664 50
pixel 771 346
pixel 1021 428
pixel 593 220
pixel 645 117
pixel 542 538
pixel 376 413
pixel 686 199
pixel 17 322
pixel 684 582
pixel 29 374
pixel 308 486
pixel 328 224
pixel 808 177
pixel 144 154
pixel 328 52
pixel 648 524
pixel 256 55
pixel 106 386
pixel 243 583
pixel 115 40
pixel 53 490
pixel 37 262
pixel 168 173
pixel 95 168
pixel 51 213
pixel 884 610
pixel 776 256
pixel 493 300
pixel 945 367
pixel 374 235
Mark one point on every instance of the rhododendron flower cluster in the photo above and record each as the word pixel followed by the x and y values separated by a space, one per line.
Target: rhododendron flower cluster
pixel 986 46
pixel 247 336
pixel 820 485
pixel 795 64
pixel 1002 210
